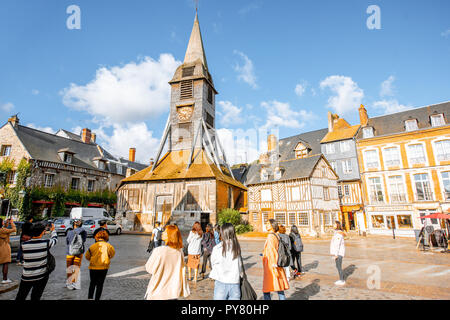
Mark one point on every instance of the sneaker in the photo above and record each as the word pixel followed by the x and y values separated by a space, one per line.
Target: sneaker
pixel 6 281
pixel 340 283
pixel 70 286
pixel 19 263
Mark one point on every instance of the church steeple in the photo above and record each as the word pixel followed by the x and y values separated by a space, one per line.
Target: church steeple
pixel 195 49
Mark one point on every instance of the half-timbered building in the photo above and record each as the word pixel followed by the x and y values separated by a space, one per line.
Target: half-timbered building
pixel 190 179
pixel 293 183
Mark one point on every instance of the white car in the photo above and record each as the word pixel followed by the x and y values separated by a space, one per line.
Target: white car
pixel 91 225
pixel 63 225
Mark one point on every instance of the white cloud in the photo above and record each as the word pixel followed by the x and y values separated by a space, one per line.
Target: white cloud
pixel 128 93
pixel 246 71
pixel 45 129
pixel 387 88
pixel 128 136
pixel 280 114
pixel 300 88
pixel 240 146
pixel 348 95
pixel 249 8
pixel 230 114
pixel 7 107
pixel 446 33
pixel 390 106
pixel 35 92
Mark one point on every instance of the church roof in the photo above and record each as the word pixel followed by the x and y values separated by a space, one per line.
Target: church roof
pixel 195 49
pixel 173 167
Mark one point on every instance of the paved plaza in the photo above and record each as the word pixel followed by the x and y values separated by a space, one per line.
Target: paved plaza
pixel 403 271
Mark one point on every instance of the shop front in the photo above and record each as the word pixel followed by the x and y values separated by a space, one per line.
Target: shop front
pixel 349 217
pixel 391 221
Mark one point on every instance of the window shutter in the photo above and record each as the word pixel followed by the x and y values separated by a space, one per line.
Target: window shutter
pixel 187 88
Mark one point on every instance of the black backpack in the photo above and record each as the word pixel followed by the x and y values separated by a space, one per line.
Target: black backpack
pixel 158 235
pixel 283 254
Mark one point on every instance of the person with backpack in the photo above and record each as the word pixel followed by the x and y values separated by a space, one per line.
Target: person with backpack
pixel 157 235
pixel 296 251
pixel 75 240
pixel 274 278
pixel 36 258
pixel 99 255
pixel 208 244
pixel 337 250
pixel 287 242
pixel 227 265
pixel 194 241
pixel 5 248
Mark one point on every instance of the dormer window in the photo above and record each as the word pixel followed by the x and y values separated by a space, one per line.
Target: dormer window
pixel 101 165
pixel 301 151
pixel 278 173
pixel 264 175
pixel 66 155
pixel 67 158
pixel 368 132
pixel 437 120
pixel 411 125
pixel 119 169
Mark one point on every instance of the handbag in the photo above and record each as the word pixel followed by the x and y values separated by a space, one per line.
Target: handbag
pixel 51 262
pixel 151 246
pixel 247 292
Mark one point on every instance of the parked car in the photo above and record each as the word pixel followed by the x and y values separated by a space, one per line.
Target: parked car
pixel 91 225
pixel 63 225
pixel 89 214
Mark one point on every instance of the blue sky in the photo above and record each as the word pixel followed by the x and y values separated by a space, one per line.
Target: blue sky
pixel 275 63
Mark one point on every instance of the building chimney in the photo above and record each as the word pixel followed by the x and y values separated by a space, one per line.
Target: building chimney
pixel 271 143
pixel 93 137
pixel 14 120
pixel 132 155
pixel 330 121
pixel 86 135
pixel 363 116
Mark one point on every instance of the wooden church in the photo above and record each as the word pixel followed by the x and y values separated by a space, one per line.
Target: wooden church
pixel 190 179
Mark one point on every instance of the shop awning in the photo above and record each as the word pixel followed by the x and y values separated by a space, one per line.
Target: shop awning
pixel 350 208
pixel 243 210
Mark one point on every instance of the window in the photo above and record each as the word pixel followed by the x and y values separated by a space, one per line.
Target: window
pixel 347 190
pixel 48 180
pixel 91 184
pixel 326 193
pixel 397 189
pixel 209 120
pixel 210 95
pixel 265 216
pixel 443 150
pixel 6 151
pixel 280 217
pixel 75 183
pixel 264 175
pixel 411 125
pixel 347 166
pixel 371 158
pixel 133 196
pixel 327 219
pixel 188 72
pixel 301 151
pixel 404 222
pixel 375 190
pixel 278 173
pixel 12 177
pixel 345 146
pixel 334 165
pixel 340 191
pixel 119 169
pixel 291 218
pixel 295 194
pixel 391 156
pixel 368 132
pixel 101 165
pixel 416 154
pixel 330 149
pixel 437 120
pixel 67 158
pixel 446 182
pixel 255 216
pixel 266 195
pixel 378 222
pixel 423 187
pixel 303 219
pixel 186 89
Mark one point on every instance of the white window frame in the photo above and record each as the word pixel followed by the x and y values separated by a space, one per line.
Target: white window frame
pixel 78 185
pixel 346 190
pixel 264 175
pixel 368 132
pixel 277 215
pixel 47 174
pixel 430 182
pixel 93 185
pixel 386 158
pixel 68 158
pixel 409 154
pixel 383 191
pixel 365 152
pixel 403 186
pixel 345 146
pixel 266 194
pixel 330 148
pixel 446 151
pixel 441 177
pixel 301 217
pixel 347 166
pixel 4 148
pixel 435 122
pixel 326 193
pixel 297 191
pixel 411 125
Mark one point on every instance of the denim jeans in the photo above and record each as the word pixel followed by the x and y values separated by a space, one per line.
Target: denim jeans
pixel 339 267
pixel 281 295
pixel 227 291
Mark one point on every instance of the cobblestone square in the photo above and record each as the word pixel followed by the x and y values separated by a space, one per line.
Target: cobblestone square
pixel 405 273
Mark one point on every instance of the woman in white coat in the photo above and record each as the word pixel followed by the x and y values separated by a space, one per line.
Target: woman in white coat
pixel 194 241
pixel 337 250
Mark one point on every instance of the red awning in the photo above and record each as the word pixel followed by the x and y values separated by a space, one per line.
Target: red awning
pixel 437 215
pixel 43 202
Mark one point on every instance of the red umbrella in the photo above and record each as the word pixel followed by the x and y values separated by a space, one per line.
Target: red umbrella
pixel 437 215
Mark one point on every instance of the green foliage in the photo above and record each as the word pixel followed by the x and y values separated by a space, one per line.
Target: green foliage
pixel 243 228
pixel 22 203
pixel 229 216
pixel 6 166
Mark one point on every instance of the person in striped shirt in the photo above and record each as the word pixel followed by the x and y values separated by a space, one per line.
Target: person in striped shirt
pixel 35 251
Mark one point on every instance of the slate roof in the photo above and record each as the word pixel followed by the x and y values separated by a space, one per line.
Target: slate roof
pixel 311 139
pixel 395 123
pixel 240 174
pixel 133 165
pixel 173 167
pixel 293 169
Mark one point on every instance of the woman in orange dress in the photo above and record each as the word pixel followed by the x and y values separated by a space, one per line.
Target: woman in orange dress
pixel 274 276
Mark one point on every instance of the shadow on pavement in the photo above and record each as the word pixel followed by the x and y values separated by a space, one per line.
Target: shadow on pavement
pixel 309 266
pixel 349 271
pixel 305 293
pixel 249 265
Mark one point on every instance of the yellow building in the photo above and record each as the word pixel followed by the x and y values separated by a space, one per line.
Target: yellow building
pixel 404 160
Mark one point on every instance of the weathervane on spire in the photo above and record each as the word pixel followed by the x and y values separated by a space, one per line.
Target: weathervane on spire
pixel 196 6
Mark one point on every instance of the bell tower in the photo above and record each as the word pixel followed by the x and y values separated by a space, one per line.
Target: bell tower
pixel 192 95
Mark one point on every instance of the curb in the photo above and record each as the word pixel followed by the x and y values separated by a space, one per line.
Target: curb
pixel 10 287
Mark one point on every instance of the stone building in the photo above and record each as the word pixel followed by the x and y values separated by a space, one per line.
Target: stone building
pixel 293 183
pixel 339 147
pixel 75 162
pixel 190 179
pixel 404 160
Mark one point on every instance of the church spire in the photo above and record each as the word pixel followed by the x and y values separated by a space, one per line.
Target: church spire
pixel 195 49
